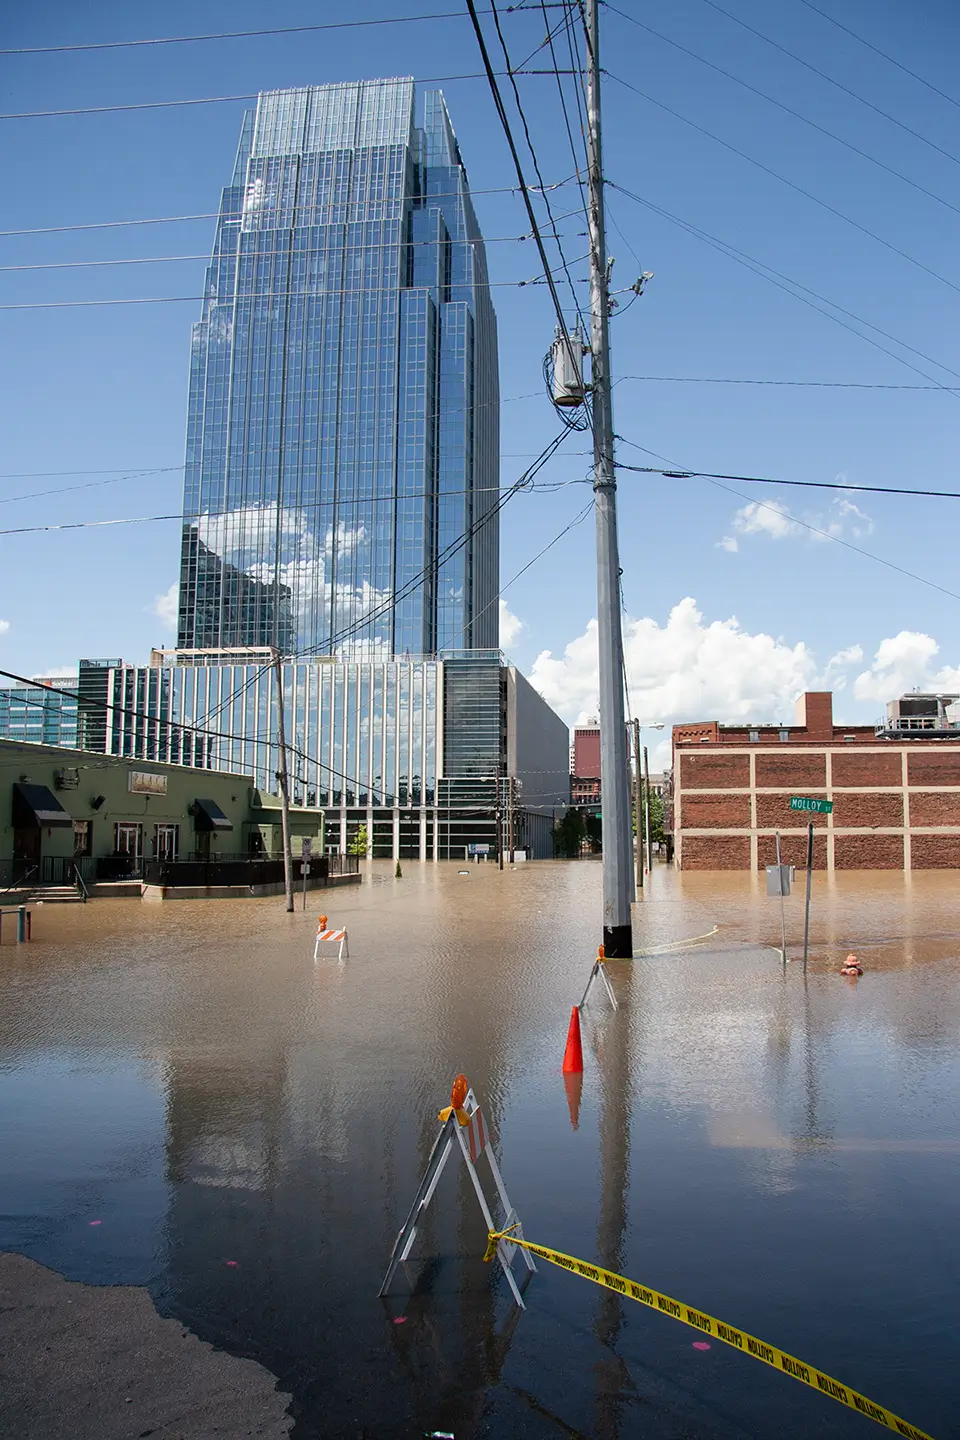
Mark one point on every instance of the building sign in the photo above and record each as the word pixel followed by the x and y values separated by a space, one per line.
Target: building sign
pixel 141 782
pixel 818 807
pixel 479 849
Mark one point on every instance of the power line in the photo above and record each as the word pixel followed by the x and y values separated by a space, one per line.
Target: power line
pixel 215 215
pixel 801 384
pixel 217 99
pixel 804 484
pixel 760 267
pixel 830 80
pixel 533 156
pixel 504 120
pixel 258 255
pixel 882 53
pixel 807 194
pixel 805 524
pixel 269 295
pixel 234 34
pixel 796 114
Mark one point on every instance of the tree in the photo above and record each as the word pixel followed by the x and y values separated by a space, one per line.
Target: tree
pixel 360 843
pixel 568 835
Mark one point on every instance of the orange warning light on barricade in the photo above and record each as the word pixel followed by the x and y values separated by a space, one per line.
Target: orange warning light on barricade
pixel 458 1095
pixel 601 953
pixel 321 922
pixel 573 1054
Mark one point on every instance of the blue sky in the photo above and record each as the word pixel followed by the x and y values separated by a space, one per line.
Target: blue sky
pixel 104 389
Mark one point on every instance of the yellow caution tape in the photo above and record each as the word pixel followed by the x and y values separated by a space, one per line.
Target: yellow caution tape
pixel 708 1325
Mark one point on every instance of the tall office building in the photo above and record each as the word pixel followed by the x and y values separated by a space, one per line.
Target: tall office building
pixel 342 455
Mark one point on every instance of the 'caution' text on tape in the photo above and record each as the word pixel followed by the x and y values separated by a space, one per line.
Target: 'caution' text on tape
pixel 709 1325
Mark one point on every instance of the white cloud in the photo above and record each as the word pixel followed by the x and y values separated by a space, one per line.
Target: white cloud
pixel 4 626
pixel 905 662
pixel 771 517
pixel 683 670
pixel 58 672
pixel 510 626
pixel 165 606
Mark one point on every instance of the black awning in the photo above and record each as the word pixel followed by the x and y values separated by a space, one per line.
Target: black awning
pixel 207 815
pixel 36 805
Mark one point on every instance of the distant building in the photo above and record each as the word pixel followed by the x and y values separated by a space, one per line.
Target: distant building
pixel 40 716
pixel 895 788
pixel 425 753
pixel 342 458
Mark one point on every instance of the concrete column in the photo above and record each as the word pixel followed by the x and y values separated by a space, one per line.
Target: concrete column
pixel 396 832
pixel 369 824
pixel 423 834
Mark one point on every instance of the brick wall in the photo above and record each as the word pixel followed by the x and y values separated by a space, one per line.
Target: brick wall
pixel 936 852
pixel 706 769
pixel 934 767
pixel 868 852
pixel 796 771
pixel 870 769
pixel 932 807
pixel 774 813
pixel 730 825
pixel 868 810
pixel 716 812
pixel 708 852
pixel 793 851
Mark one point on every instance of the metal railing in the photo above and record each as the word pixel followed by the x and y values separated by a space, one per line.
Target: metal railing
pixel 79 883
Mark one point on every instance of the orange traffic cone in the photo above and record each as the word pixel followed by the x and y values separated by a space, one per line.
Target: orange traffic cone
pixel 573 1054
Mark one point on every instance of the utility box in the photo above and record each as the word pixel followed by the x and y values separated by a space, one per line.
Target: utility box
pixel 566 357
pixel 780 879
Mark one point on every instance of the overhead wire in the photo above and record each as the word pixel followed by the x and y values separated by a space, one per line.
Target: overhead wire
pixel 788 110
pixel 830 80
pixel 803 484
pixel 215 214
pixel 218 99
pixel 799 384
pixel 784 513
pixel 257 296
pixel 524 189
pixel 259 255
pixel 799 189
pixel 785 282
pixel 882 53
pixel 233 34
pixel 536 164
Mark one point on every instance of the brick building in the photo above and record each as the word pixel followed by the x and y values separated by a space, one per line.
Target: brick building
pixel 895 788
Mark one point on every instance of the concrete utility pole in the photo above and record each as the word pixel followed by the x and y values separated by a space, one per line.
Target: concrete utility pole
pixel 616 828
pixel 284 784
pixel 646 810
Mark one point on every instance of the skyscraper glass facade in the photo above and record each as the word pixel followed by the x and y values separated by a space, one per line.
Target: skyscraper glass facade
pixel 342 456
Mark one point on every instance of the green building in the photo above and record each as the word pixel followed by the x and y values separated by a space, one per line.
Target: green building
pixel 79 818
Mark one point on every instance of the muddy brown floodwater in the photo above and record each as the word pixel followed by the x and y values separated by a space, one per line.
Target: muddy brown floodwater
pixel 249 1127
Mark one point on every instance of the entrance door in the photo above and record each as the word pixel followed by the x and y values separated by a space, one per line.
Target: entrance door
pixel 26 852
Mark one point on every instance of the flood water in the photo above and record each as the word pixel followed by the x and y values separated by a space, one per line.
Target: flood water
pixel 249 1128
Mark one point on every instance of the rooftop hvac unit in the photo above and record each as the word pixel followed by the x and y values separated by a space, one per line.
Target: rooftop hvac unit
pixel 567 354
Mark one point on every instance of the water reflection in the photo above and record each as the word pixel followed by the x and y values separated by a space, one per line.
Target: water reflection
pixel 250 1130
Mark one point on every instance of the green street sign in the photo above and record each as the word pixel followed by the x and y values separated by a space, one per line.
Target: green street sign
pixel 818 807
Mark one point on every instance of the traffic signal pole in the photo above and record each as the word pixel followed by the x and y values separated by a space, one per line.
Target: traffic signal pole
pixel 616 819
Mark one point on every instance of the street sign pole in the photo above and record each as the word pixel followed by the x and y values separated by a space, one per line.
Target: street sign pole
pixel 783 923
pixel 306 846
pixel 806 922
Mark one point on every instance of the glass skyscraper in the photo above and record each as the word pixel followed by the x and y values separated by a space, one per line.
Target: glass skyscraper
pixel 342 457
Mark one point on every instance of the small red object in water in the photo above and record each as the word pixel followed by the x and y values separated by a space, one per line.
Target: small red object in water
pixel 234 1263
pixel 399 1319
pixel 700 1345
pixel 96 1222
